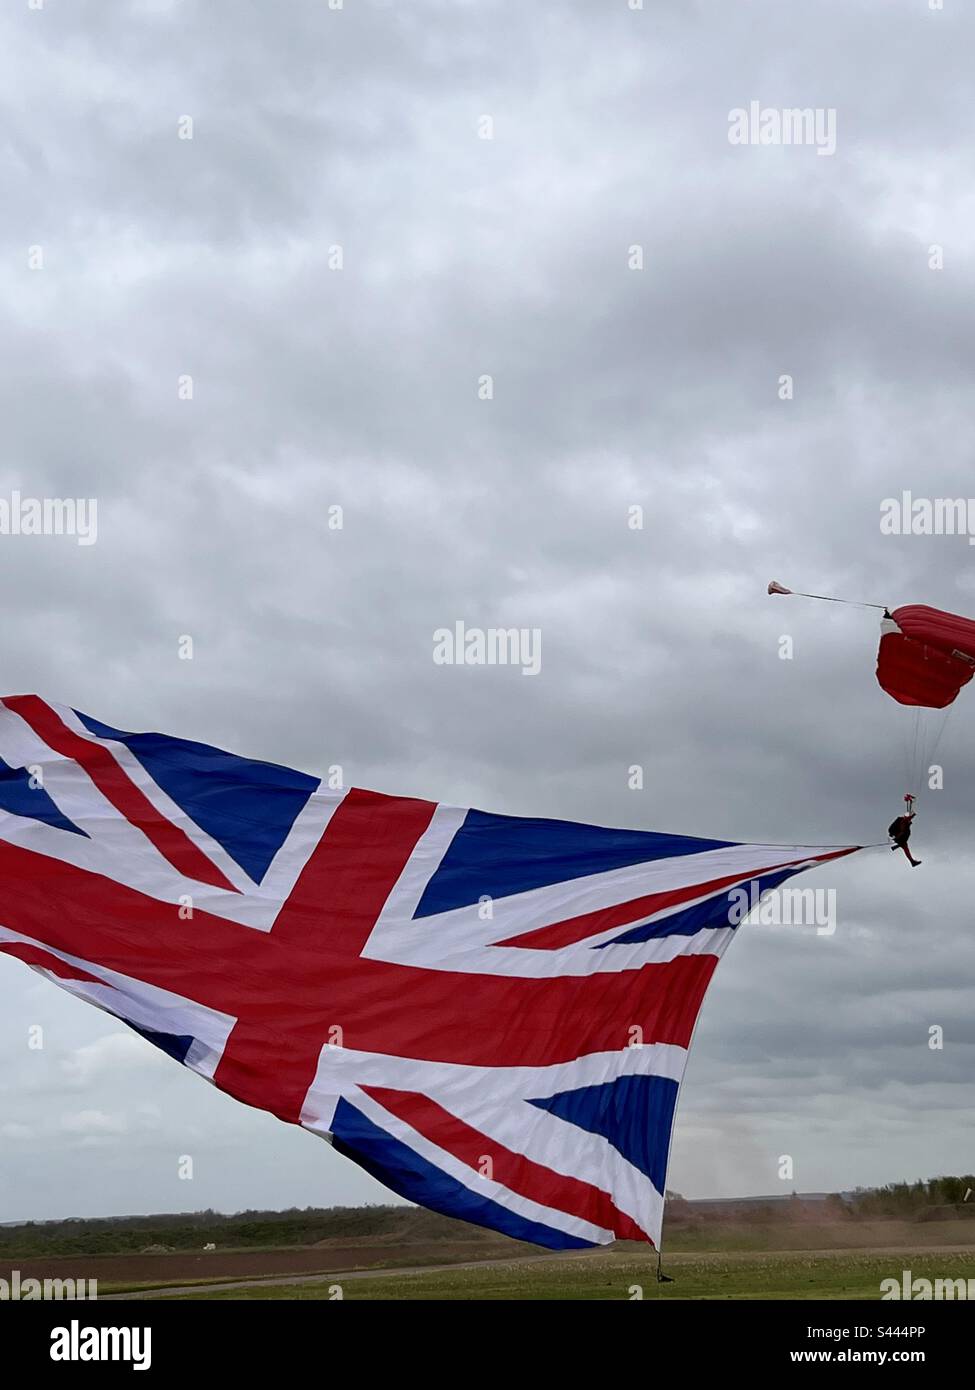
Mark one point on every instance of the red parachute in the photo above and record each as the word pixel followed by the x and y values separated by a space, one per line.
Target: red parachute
pixel 925 655
pixel 925 658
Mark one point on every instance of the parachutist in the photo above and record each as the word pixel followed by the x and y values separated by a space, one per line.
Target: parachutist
pixel 899 831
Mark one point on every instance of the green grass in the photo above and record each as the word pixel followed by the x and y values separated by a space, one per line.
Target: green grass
pixel 813 1275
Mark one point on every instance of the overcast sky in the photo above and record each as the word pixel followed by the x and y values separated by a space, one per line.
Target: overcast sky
pixel 313 387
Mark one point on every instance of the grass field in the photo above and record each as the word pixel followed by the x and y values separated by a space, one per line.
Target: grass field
pixel 779 1275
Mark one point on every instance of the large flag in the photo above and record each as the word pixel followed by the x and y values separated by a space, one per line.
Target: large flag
pixel 490 1014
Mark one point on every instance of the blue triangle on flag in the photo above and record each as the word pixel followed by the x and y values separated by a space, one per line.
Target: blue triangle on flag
pixel 497 856
pixel 175 1045
pixel 634 1113
pixel 248 807
pixel 18 796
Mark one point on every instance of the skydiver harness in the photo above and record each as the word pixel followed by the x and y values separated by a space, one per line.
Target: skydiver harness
pixel 899 829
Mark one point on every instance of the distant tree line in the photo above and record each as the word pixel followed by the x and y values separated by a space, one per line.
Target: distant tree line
pixel 907 1198
pixel 191 1230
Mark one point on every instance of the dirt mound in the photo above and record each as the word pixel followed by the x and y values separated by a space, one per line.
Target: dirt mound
pixel 951 1212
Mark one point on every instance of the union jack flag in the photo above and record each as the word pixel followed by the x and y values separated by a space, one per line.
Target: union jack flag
pixel 490 1014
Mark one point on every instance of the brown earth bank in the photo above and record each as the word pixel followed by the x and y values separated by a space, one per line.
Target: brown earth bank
pixel 964 1211
pixel 185 1267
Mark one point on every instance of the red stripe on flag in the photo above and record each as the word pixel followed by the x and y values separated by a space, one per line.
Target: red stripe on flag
pixel 118 788
pixel 33 955
pixel 337 898
pixel 573 929
pixel 513 1170
pixel 355 866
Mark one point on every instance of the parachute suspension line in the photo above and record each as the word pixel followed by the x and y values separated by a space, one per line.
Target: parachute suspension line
pixel 915 759
pixel 776 588
pixel 921 739
pixel 937 740
pixel 910 744
pixel 927 742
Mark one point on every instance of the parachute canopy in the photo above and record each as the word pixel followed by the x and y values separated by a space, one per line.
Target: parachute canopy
pixel 925 655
